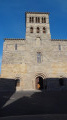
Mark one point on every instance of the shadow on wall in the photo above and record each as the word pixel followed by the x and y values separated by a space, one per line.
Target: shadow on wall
pixel 7 89
pixel 31 103
pixel 51 83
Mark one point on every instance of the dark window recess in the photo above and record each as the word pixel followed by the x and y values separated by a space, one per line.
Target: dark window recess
pixel 31 30
pixel 43 20
pixel 44 30
pixel 30 19
pixel 61 82
pixel 37 20
pixel 15 46
pixel 17 82
pixel 38 57
pixel 38 30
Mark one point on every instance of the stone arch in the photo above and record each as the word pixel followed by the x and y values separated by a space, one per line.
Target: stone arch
pixel 39 81
pixel 40 74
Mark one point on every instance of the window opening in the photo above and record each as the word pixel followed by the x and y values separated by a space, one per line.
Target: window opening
pixel 15 46
pixel 44 30
pixel 31 30
pixel 38 29
pixel 38 57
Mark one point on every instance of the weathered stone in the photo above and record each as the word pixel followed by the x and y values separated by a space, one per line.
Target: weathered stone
pixel 22 63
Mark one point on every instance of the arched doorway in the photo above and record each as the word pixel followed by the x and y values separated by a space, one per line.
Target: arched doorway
pixel 39 83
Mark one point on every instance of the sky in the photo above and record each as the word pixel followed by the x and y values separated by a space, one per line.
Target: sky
pixel 12 18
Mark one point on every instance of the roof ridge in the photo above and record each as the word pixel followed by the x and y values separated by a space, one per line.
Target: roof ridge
pixel 59 39
pixel 14 39
pixel 38 12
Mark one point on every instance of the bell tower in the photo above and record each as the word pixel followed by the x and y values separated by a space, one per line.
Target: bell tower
pixel 37 25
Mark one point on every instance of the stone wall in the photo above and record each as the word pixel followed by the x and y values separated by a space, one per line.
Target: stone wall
pixel 22 62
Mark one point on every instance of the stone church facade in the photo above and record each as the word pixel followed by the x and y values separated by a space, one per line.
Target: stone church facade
pixel 36 62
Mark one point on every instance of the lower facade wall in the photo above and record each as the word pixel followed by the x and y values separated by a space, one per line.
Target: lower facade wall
pixel 48 85
pixel 54 84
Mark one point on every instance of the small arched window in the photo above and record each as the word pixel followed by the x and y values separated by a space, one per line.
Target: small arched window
pixel 43 20
pixel 37 20
pixel 44 30
pixel 31 29
pixel 15 46
pixel 30 19
pixel 38 57
pixel 38 30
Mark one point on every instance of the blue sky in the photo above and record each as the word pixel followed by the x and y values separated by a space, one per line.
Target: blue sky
pixel 12 18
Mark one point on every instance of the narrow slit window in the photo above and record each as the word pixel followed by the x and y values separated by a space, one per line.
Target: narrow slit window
pixel 38 20
pixel 59 47
pixel 30 19
pixel 38 57
pixel 15 46
pixel 44 20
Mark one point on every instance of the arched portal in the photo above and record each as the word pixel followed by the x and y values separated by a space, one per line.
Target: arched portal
pixel 39 83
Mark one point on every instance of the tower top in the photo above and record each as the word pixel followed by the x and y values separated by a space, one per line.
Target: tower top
pixel 37 13
pixel 37 25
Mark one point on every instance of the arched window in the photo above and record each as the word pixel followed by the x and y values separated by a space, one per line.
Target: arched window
pixel 31 29
pixel 38 57
pixel 37 20
pixel 44 30
pixel 15 46
pixel 38 29
pixel 43 20
pixel 31 19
